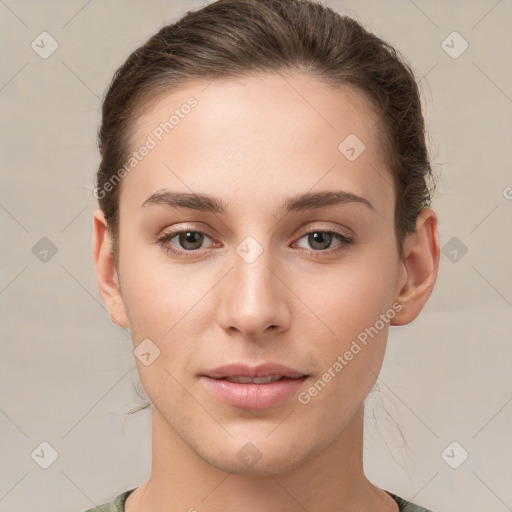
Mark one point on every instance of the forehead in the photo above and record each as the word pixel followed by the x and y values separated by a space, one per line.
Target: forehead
pixel 265 133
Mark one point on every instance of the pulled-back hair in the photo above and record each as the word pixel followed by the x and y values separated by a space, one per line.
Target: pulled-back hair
pixel 232 38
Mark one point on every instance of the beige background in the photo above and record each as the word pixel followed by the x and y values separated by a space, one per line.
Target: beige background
pixel 67 373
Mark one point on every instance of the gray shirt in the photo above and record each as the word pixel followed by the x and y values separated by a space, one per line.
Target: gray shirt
pixel 117 505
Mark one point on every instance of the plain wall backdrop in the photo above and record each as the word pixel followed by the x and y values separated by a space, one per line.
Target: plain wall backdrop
pixel 68 374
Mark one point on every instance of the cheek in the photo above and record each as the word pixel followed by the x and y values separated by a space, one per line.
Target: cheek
pixel 165 303
pixel 157 295
pixel 349 344
pixel 353 306
pixel 351 297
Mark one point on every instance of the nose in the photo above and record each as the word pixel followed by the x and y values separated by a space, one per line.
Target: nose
pixel 253 298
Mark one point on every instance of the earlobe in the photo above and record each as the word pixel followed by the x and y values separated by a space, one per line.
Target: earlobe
pixel 106 273
pixel 420 265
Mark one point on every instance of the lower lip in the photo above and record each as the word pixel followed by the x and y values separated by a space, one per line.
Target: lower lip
pixel 253 396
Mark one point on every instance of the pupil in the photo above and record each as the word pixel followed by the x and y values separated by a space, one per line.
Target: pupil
pixel 189 237
pixel 323 239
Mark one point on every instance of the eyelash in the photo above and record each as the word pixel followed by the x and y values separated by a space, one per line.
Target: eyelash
pixel 345 242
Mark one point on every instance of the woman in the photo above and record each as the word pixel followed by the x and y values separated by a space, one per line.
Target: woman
pixel 264 218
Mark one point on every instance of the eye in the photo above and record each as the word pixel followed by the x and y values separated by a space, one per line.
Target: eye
pixel 321 240
pixel 188 240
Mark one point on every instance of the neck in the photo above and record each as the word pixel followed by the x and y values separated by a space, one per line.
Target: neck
pixel 331 480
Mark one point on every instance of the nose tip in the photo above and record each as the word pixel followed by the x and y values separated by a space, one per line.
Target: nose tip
pixel 251 300
pixel 251 326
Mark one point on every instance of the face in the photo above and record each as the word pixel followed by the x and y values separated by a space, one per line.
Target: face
pixel 291 259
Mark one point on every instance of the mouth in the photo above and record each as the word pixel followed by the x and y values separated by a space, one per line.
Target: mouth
pixel 272 371
pixel 262 387
pixel 255 380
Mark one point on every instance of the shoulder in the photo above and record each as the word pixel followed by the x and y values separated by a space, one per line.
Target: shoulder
pixel 407 506
pixel 116 505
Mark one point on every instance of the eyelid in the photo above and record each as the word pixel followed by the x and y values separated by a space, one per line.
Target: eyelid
pixel 320 226
pixel 346 232
pixel 169 235
pixel 186 227
pixel 344 239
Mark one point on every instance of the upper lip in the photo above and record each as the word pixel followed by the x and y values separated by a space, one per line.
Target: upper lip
pixel 262 370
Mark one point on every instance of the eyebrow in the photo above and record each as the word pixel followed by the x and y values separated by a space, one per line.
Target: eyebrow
pixel 208 203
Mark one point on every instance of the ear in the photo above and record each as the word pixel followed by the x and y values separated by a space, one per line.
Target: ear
pixel 106 273
pixel 419 266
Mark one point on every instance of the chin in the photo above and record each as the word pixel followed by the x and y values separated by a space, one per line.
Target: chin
pixel 257 458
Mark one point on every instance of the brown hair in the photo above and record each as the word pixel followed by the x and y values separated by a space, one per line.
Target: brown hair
pixel 230 38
